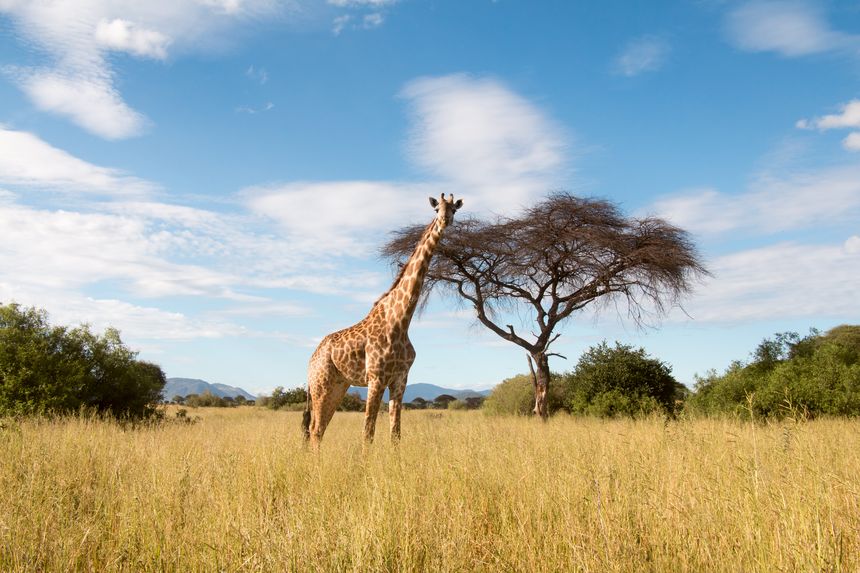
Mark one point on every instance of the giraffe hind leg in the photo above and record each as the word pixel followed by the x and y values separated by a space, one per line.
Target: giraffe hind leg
pixel 327 388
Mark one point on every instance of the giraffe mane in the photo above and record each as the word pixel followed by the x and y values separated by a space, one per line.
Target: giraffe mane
pixel 402 270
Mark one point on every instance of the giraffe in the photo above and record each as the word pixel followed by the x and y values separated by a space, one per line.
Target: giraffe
pixel 375 352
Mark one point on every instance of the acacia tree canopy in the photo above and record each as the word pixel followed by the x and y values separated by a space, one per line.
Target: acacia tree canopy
pixel 554 259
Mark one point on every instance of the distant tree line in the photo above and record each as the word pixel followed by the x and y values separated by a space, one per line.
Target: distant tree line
pixel 296 399
pixel 47 369
pixel 209 400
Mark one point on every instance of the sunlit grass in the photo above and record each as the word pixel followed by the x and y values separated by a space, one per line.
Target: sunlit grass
pixel 462 492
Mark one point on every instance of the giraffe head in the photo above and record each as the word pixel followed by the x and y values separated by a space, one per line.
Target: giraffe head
pixel 445 209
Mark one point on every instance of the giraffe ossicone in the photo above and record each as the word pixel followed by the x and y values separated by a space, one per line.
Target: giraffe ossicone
pixel 375 352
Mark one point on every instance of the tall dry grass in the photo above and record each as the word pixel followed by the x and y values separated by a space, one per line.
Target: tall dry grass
pixel 462 492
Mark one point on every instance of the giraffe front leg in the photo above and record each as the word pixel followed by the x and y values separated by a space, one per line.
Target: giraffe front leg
pixel 395 405
pixel 375 389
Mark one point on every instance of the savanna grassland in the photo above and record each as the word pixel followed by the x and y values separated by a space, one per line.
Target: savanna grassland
pixel 462 492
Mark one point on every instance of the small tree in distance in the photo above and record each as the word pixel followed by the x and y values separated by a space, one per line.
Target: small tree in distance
pixel 554 260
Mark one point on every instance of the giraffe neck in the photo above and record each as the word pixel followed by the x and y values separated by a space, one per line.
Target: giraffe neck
pixel 403 298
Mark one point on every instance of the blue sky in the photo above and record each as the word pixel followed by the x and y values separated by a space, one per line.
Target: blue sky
pixel 214 177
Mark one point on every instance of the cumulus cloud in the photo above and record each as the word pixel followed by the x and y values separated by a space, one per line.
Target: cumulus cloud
pixel 790 28
pixel 478 134
pixel 125 36
pixel 642 55
pixel 77 81
pixel 847 118
pixel 852 141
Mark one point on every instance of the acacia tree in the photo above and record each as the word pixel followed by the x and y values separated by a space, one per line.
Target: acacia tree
pixel 554 260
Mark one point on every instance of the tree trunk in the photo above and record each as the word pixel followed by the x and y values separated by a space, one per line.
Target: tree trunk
pixel 540 380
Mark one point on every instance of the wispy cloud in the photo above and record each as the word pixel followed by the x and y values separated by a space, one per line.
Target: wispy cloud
pixel 259 75
pixel 790 28
pixel 362 3
pixel 847 118
pixel 339 217
pixel 27 160
pixel 479 134
pixel 77 78
pixel 783 281
pixel 770 205
pixel 646 54
pixel 339 23
pixel 373 20
pixel 268 106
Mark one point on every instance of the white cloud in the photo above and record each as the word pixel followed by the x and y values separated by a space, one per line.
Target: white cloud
pixel 259 75
pixel 329 217
pixel 645 54
pixel 27 160
pixel 372 20
pixel 479 135
pixel 790 28
pixel 361 3
pixel 847 118
pixel 852 141
pixel 339 23
pixel 779 282
pixel 91 102
pixel 77 80
pixel 125 36
pixel 852 245
pixel 771 205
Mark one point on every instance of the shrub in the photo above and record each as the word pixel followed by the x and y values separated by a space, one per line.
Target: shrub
pixel 209 400
pixel 457 405
pixel 620 381
pixel 56 369
pixel 787 376
pixel 516 395
pixel 351 402
pixel 292 400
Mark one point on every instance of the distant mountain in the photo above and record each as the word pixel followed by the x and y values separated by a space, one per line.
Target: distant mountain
pixel 185 386
pixel 427 391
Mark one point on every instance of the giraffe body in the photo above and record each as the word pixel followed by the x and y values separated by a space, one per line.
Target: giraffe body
pixel 375 352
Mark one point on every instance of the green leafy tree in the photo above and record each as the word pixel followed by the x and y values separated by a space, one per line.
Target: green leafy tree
pixel 789 375
pixel 56 369
pixel 286 399
pixel 620 381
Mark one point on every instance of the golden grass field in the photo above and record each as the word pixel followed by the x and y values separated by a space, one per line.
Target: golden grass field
pixel 462 492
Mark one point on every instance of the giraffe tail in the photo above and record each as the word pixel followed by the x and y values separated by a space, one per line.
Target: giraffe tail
pixel 306 417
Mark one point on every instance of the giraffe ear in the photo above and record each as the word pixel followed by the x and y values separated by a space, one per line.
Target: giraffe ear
pixel 458 203
pixel 434 202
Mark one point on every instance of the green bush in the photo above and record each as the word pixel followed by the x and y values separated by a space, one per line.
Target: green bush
pixel 291 400
pixel 56 369
pixel 209 400
pixel 457 405
pixel 516 395
pixel 620 381
pixel 789 376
